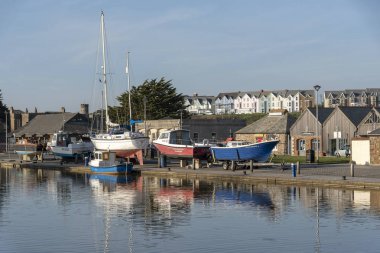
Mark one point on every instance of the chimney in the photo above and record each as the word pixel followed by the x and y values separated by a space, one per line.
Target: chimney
pixel 84 109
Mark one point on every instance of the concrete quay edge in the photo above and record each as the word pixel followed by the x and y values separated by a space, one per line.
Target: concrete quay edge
pixel 218 174
pixel 267 178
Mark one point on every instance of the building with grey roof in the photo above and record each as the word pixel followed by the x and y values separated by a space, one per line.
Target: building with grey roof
pixel 276 125
pixel 353 97
pixel 197 104
pixel 42 127
pixel 303 132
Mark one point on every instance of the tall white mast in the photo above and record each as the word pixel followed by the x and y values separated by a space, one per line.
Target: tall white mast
pixel 104 69
pixel 129 91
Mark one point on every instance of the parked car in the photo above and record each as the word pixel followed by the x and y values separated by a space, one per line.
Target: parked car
pixel 344 151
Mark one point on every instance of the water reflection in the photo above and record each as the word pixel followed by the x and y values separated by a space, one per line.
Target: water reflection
pixel 114 196
pixel 115 213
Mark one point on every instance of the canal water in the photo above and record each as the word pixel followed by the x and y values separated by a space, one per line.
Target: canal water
pixel 52 211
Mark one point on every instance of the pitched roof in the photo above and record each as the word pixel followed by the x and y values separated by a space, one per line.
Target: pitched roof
pixel 375 132
pixel 355 114
pixel 323 113
pixel 228 94
pixel 270 124
pixel 49 124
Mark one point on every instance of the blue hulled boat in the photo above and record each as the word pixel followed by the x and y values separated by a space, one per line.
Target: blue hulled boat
pixel 244 151
pixel 106 162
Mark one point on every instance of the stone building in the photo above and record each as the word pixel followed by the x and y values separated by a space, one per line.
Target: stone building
pixel 18 118
pixel 366 148
pixel 42 127
pixel 276 125
pixel 374 146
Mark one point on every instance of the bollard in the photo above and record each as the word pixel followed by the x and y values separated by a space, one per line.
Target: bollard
pixel 298 168
pixel 182 163
pixel 352 169
pixel 163 161
pixel 158 159
pixel 293 166
pixel 86 161
pixel 196 163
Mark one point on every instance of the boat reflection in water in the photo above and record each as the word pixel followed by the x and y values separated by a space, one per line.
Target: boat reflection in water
pixel 114 196
pixel 244 194
pixel 117 213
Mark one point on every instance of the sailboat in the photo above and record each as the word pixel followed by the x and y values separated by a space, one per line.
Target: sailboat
pixel 122 141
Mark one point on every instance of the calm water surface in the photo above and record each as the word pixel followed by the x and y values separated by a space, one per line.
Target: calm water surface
pixel 50 211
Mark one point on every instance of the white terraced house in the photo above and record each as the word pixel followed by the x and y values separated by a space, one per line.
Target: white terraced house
pixel 200 104
pixel 357 97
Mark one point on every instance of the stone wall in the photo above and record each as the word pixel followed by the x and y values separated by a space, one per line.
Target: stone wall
pixel 375 149
pixel 282 146
pixel 308 144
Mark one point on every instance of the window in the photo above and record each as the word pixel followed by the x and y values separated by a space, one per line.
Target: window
pixel 314 144
pixel 301 145
pixel 195 137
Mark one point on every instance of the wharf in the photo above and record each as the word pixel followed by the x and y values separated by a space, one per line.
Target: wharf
pixel 324 175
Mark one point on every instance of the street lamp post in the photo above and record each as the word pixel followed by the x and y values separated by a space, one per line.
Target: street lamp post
pixel 317 87
pixel 145 100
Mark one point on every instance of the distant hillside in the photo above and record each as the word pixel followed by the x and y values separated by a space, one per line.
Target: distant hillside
pixel 248 118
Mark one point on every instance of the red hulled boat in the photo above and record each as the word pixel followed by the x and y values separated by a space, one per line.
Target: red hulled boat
pixel 178 144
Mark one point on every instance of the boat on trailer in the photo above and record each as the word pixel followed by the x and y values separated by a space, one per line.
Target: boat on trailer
pixel 68 145
pixel 178 144
pixel 242 151
pixel 107 162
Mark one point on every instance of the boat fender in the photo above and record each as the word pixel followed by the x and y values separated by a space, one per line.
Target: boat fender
pixel 205 142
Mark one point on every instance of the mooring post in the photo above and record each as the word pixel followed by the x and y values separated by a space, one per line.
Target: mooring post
pixel 352 169
pixel 159 159
pixel 251 165
pixel 293 167
pixel 298 168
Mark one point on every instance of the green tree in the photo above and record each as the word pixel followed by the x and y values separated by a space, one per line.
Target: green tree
pixel 162 100
pixel 3 109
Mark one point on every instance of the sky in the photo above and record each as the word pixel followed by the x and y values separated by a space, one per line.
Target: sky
pixel 49 49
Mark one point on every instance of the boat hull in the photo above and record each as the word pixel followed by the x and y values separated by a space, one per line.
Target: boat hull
pixel 116 169
pixel 72 151
pixel 258 152
pixel 22 152
pixel 184 151
pixel 25 149
pixel 122 147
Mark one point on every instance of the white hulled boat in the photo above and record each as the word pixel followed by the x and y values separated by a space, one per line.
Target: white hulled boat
pixel 69 145
pixel 122 141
